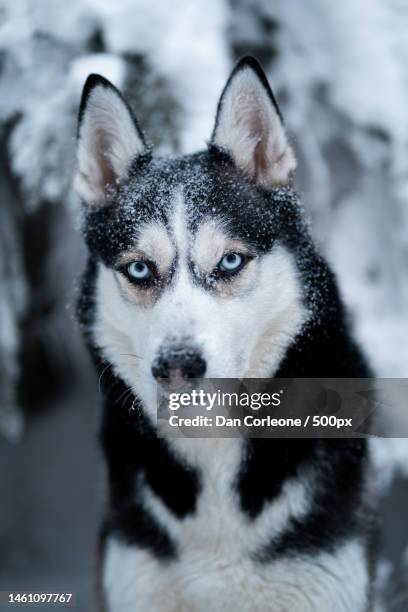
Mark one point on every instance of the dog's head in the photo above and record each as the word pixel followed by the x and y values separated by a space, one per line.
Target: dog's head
pixel 196 276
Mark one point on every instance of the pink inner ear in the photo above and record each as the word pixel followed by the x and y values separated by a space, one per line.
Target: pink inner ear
pixel 108 176
pixel 259 134
pixel 260 159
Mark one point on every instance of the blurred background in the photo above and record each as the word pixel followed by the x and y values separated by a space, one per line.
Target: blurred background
pixel 340 73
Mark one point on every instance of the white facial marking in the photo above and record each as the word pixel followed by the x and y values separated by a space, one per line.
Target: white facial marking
pixel 114 318
pixel 209 233
pixel 179 227
pixel 212 233
pixel 279 312
pixel 154 242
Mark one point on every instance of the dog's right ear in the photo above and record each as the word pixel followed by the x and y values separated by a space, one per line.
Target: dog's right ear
pixel 109 140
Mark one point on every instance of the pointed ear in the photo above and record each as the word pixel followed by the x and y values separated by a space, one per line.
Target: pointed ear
pixel 250 128
pixel 109 140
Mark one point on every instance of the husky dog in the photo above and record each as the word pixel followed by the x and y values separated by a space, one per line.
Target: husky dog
pixel 203 266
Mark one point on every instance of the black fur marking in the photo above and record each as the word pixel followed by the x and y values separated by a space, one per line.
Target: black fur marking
pixel 222 157
pixel 135 526
pixel 266 466
pixel 85 306
pixel 337 513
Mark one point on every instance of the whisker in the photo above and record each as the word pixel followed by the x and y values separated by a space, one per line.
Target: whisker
pixel 127 396
pixel 131 355
pixel 122 394
pixel 129 390
pixel 126 393
pixel 105 369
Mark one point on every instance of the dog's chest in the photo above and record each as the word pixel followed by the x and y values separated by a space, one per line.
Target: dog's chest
pixel 216 564
pixel 215 527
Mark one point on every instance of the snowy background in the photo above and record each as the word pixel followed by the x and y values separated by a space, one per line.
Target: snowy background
pixel 340 72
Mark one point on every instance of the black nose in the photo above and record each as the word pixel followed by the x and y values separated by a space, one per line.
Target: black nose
pixel 180 362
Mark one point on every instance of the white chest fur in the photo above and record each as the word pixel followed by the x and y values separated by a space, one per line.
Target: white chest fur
pixel 215 568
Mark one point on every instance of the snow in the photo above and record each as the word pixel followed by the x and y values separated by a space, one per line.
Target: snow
pixel 48 57
pixel 109 65
pixel 186 44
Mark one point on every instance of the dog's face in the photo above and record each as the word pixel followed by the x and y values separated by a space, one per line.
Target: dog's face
pixel 195 276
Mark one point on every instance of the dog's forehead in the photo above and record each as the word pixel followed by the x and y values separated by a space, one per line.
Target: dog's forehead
pixel 156 190
pixel 189 191
pixel 182 204
pixel 203 188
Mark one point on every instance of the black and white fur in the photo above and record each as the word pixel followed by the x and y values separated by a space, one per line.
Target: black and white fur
pixel 205 525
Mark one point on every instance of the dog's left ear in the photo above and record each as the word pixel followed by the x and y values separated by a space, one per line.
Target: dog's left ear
pixel 249 127
pixel 109 140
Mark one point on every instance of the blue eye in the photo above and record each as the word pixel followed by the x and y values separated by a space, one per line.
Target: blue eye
pixel 139 270
pixel 231 262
